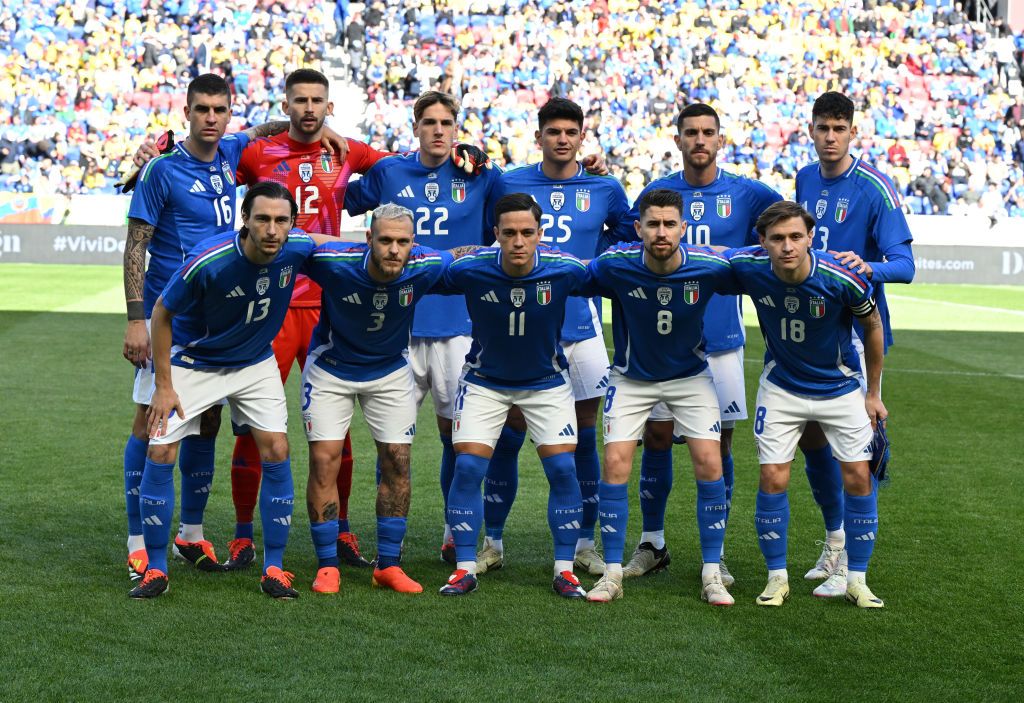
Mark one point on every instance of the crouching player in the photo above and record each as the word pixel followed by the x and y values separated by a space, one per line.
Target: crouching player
pixel 227 303
pixel 806 302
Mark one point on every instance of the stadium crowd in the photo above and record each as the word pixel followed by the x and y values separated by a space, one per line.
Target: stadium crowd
pixel 82 81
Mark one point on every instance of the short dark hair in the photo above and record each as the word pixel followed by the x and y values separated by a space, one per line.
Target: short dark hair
pixel 207 84
pixel 662 197
pixel 434 97
pixel 516 202
pixel 697 110
pixel 266 189
pixel 305 75
pixel 560 109
pixel 782 210
pixel 833 105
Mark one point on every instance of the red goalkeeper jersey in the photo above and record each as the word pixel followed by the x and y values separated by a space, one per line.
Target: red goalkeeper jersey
pixel 316 179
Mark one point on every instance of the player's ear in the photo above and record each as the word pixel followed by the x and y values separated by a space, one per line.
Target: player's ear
pixel 369 236
pixel 636 226
pixel 330 108
pixel 536 136
pixel 853 132
pixel 284 105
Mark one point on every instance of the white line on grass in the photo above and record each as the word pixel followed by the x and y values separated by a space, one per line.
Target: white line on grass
pixel 938 372
pixel 948 303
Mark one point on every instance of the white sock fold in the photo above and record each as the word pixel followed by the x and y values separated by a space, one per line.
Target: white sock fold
pixel 656 538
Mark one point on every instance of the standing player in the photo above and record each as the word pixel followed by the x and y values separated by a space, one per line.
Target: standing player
pixel 227 303
pixel 857 217
pixel 516 296
pixel 577 209
pixel 659 291
pixel 806 301
pixel 722 211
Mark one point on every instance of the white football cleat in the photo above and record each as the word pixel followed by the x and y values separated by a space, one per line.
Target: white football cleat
pixel 489 559
pixel 826 564
pixel 607 589
pixel 860 595
pixel 589 560
pixel 775 593
pixel 714 591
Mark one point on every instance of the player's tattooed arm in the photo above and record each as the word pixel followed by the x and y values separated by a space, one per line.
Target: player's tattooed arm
pixel 394 492
pixel 136 338
pixel 459 252
pixel 267 129
pixel 874 356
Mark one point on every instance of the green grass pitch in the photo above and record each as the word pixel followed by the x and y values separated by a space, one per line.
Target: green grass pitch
pixel 948 561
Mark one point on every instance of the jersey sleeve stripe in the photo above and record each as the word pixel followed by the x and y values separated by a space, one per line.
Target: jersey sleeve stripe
pixel 206 257
pixel 149 165
pixel 709 258
pixel 844 277
pixel 880 183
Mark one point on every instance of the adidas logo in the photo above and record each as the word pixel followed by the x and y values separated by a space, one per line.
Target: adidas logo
pixel 282 168
pixel 490 297
pixel 767 300
pixel 646 495
pixel 717 427
pixel 354 298
pixel 492 498
pixel 574 525
pixel 592 499
pixel 153 520
pixel 865 538
pixel 720 525
pixel 197 187
pixel 638 292
pixel 733 408
pixel 608 529
pixel 286 520
pixel 567 431
pixel 236 293
pixel 134 491
pixel 462 527
pixel 411 432
pixel 770 535
pixel 204 489
pixel 602 384
pixel 406 192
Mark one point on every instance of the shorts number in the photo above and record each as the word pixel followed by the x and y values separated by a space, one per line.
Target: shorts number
pixel 759 419
pixel 516 324
pixel 609 397
pixel 378 322
pixel 309 204
pixel 264 304
pixel 550 223
pixel 823 233
pixel 429 221
pixel 698 235
pixel 664 322
pixel 795 328
pixel 307 388
pixel 223 210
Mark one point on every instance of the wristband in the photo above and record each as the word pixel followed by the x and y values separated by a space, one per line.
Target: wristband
pixel 136 311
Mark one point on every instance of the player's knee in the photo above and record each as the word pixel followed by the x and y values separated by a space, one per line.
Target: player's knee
pixel 209 423
pixel 394 460
pixel 658 435
pixel 162 453
pixel 275 449
pixel 774 478
pixel 856 478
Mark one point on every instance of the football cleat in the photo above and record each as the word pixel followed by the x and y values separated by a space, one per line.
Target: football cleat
pixel 590 560
pixel 727 578
pixel 568 586
pixel 138 563
pixel 826 564
pixel 394 578
pixel 348 551
pixel 835 585
pixel 328 580
pixel 459 583
pixel 860 595
pixel 242 554
pixel 448 551
pixel 489 559
pixel 153 584
pixel 775 593
pixel 713 591
pixel 198 554
pixel 646 559
pixel 277 583
pixel 607 589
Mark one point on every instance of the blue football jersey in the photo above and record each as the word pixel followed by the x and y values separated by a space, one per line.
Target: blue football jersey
pixel 448 209
pixel 807 327
pixel 859 211
pixel 657 320
pixel 516 321
pixel 364 326
pixel 577 211
pixel 722 213
pixel 228 309
pixel 186 200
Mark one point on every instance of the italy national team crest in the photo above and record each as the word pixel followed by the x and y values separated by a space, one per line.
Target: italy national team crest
pixel 665 295
pixel 306 172
pixel 431 190
pixel 458 191
pixel 691 292
pixel 518 297
pixel 325 162
pixel 817 307
pixel 285 277
pixel 405 296
pixel 380 300
pixel 697 210
pixel 582 200
pixel 262 285
pixel 723 205
pixel 218 183
pixel 543 293
pixel 557 199
pixel 842 209
pixel 791 303
pixel 229 173
pixel 819 208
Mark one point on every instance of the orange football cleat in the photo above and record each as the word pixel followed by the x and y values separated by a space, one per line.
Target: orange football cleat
pixel 394 578
pixel 328 580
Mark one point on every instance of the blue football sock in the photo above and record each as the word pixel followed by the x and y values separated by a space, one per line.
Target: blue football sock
pixel 156 498
pixel 502 480
pixel 729 476
pixel 565 504
pixel 465 510
pixel 711 519
pixel 826 479
pixel 447 467
pixel 325 542
pixel 861 529
pixel 613 510
pixel 390 533
pixel 277 495
pixel 655 485
pixel 771 518
pixel 134 463
pixel 588 473
pixel 196 465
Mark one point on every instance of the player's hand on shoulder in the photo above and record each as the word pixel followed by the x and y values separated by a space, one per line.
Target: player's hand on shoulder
pixel 334 143
pixel 471 159
pixel 852 261
pixel 136 343
pixel 165 402
pixel 595 165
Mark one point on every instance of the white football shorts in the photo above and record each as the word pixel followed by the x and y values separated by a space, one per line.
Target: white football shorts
pixel 730 386
pixel 588 367
pixel 691 402
pixel 328 403
pixel 436 365
pixel 480 413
